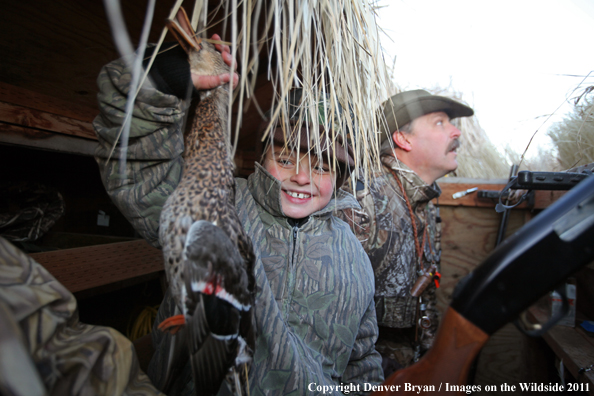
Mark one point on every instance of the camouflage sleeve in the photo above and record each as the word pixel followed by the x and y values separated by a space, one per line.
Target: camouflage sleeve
pixel 365 364
pixel 367 229
pixel 154 152
pixel 46 350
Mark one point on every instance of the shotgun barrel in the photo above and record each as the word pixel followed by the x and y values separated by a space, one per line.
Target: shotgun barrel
pixel 533 261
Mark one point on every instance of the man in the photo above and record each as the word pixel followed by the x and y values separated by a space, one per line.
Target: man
pixel 399 224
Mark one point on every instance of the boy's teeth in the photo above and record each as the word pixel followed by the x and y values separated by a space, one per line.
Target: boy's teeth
pixel 298 195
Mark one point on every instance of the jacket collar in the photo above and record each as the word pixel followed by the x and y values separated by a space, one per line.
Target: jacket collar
pixel 266 190
pixel 417 190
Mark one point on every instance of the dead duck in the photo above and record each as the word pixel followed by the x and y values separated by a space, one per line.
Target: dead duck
pixel 208 257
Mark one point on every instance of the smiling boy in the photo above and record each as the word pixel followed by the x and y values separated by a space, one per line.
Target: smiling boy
pixel 315 313
pixel 305 189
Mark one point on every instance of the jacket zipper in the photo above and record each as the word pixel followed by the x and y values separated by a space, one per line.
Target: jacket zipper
pixel 295 229
pixel 294 250
pixel 291 269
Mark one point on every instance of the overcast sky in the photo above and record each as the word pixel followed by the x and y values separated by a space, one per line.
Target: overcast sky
pixel 515 61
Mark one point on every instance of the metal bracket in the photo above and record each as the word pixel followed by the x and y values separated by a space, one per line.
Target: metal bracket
pixel 527 180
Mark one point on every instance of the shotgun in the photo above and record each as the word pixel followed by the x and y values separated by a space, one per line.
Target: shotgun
pixel 533 261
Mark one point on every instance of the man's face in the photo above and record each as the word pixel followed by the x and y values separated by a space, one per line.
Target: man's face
pixel 305 188
pixel 434 141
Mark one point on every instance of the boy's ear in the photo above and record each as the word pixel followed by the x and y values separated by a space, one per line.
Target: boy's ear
pixel 401 141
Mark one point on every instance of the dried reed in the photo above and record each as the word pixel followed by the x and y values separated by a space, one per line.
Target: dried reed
pixel 328 48
pixel 574 136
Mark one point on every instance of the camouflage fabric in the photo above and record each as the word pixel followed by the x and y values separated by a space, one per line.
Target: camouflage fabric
pixel 315 295
pixel 314 307
pixel 45 350
pixel 154 152
pixel 316 318
pixel 385 230
pixel 30 209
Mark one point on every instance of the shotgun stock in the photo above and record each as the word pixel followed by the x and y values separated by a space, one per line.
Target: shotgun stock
pixel 538 257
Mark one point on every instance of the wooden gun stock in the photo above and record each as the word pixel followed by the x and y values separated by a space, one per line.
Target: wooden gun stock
pixel 533 261
pixel 457 343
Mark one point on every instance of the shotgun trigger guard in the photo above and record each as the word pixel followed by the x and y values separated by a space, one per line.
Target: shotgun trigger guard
pixel 537 332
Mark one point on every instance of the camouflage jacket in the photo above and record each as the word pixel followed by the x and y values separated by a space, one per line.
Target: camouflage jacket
pixel 314 307
pixel 384 228
pixel 46 350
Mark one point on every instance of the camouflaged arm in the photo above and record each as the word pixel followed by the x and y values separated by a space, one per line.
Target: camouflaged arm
pixel 365 364
pixel 154 152
pixel 46 350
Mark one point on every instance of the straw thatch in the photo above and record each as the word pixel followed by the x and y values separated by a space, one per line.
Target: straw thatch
pixel 329 48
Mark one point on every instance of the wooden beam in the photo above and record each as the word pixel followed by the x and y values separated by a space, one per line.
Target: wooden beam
pixel 571 345
pixel 35 138
pixel 58 47
pixel 95 266
pixel 543 198
pixel 27 117
pixel 448 189
pixel 468 238
pixel 47 104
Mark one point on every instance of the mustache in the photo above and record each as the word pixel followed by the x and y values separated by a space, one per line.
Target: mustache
pixel 454 145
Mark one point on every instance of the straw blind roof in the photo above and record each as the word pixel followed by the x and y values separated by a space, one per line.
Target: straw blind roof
pixel 328 48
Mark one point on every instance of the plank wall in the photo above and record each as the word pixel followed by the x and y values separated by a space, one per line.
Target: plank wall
pixel 470 229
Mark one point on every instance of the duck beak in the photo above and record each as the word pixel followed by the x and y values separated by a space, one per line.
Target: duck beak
pixel 181 28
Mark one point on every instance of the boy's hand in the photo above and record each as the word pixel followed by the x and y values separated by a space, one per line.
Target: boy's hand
pixel 210 82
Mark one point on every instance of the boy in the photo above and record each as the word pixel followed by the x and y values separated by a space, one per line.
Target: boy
pixel 315 313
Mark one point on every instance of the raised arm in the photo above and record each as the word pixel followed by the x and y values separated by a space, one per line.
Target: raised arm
pixel 154 153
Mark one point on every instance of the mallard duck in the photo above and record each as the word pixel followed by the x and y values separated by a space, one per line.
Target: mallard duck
pixel 208 257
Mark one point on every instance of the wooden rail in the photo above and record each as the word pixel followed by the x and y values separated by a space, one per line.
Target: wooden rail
pixel 86 268
pixel 542 199
pixel 32 119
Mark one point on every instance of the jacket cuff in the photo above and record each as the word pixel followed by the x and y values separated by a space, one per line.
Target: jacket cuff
pixel 170 71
